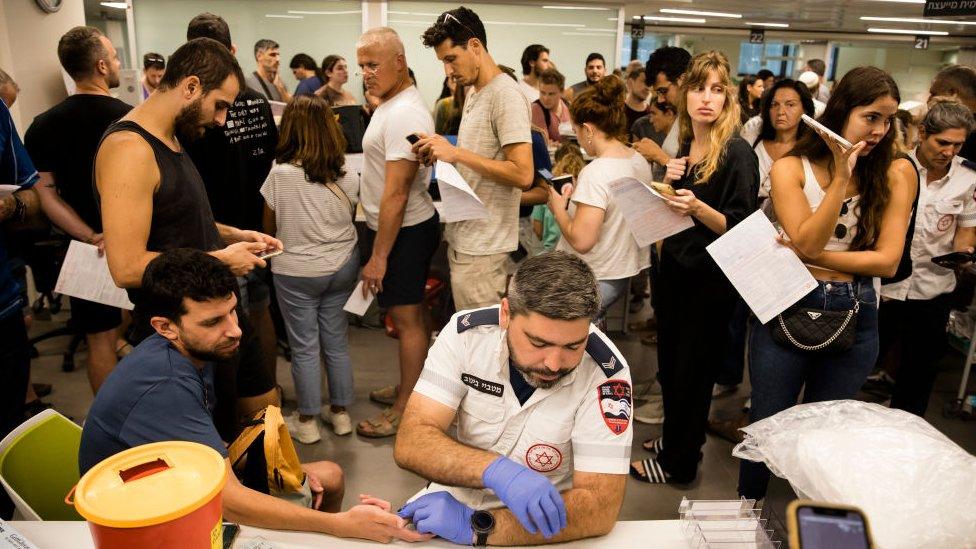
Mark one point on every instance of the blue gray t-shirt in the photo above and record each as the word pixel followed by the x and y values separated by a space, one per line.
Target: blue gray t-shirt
pixel 16 168
pixel 154 394
pixel 309 85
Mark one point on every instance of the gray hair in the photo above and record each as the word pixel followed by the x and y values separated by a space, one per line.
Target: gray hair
pixel 385 37
pixel 947 114
pixel 263 45
pixel 555 285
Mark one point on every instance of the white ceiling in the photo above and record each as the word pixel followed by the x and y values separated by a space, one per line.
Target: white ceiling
pixel 830 19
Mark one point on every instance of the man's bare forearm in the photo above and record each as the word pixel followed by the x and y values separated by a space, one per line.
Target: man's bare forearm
pixel 393 204
pixel 228 234
pixel 61 213
pixel 588 514
pixel 456 464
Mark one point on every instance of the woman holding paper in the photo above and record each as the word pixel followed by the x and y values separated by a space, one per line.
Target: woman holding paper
pixel 716 180
pixel 594 228
pixel 844 211
pixel 309 200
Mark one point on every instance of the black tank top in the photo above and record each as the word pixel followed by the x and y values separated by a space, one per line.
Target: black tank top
pixel 181 216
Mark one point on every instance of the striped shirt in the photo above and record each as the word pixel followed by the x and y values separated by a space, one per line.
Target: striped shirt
pixel 315 226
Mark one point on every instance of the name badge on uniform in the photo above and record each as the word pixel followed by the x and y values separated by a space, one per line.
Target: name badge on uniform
pixel 615 404
pixel 487 387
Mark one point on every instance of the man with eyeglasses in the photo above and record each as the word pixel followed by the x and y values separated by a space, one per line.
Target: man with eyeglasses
pixel 402 227
pixel 664 73
pixel 493 154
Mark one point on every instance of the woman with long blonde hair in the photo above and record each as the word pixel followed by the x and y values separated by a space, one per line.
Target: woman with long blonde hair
pixel 716 181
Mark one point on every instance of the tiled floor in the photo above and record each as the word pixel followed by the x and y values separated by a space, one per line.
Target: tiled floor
pixel 369 463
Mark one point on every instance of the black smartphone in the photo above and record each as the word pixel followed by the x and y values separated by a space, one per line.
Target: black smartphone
pixel 413 138
pixel 953 260
pixel 822 526
pixel 230 534
pixel 561 181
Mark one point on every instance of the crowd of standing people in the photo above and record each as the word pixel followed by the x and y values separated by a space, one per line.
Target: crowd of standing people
pixel 254 223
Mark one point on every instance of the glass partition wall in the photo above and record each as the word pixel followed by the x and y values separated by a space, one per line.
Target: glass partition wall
pixel 314 27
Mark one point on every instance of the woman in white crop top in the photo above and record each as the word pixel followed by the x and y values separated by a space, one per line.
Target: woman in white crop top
pixel 845 213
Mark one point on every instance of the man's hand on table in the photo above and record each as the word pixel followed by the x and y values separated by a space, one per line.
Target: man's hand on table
pixel 533 500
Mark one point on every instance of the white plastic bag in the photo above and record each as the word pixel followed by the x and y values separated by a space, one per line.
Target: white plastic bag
pixel 917 487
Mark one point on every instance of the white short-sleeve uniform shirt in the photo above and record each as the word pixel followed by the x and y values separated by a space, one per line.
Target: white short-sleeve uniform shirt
pixel 943 205
pixel 583 423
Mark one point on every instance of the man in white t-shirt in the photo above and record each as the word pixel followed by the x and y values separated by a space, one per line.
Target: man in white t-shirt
pixel 535 59
pixel 403 230
pixel 493 154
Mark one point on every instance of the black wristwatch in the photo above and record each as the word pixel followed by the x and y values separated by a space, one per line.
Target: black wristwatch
pixel 482 524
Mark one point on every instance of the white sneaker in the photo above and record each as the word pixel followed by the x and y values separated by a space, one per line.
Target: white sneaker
pixel 651 412
pixel 306 432
pixel 340 421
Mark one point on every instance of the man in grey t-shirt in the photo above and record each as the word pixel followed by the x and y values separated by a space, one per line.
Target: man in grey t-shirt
pixel 493 154
pixel 266 80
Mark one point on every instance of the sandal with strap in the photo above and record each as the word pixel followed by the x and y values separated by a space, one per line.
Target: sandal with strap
pixel 383 425
pixel 654 445
pixel 650 472
pixel 385 396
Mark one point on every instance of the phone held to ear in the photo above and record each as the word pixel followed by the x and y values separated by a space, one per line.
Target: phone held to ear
pixel 820 525
pixel 825 132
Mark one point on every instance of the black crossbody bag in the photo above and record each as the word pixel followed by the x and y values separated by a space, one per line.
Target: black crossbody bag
pixel 816 330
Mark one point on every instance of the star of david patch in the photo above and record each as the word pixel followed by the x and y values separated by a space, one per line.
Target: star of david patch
pixel 543 458
pixel 616 405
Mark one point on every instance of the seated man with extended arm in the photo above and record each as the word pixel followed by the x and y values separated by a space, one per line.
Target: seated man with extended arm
pixel 163 390
pixel 543 402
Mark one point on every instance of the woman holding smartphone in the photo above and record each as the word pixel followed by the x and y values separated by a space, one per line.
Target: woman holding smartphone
pixel 309 200
pixel 716 181
pixel 594 227
pixel 845 212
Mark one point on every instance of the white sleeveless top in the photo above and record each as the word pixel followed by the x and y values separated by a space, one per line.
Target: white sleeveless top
pixel 846 227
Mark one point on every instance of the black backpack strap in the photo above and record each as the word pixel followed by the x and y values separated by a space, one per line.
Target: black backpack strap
pixel 267 90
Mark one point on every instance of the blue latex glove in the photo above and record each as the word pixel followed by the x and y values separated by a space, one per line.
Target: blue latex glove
pixel 533 500
pixel 440 514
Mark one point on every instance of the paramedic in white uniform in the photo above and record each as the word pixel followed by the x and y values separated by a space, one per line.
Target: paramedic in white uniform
pixel 543 403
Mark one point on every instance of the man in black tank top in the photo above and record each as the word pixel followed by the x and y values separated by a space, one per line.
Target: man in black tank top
pixel 152 199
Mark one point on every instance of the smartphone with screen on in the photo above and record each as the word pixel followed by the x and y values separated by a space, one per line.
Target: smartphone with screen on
pixel 268 254
pixel 820 525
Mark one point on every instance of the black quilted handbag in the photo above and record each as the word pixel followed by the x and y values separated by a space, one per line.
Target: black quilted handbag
pixel 816 330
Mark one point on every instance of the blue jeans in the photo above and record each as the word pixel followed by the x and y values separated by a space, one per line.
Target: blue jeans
pixel 610 292
pixel 316 326
pixel 778 373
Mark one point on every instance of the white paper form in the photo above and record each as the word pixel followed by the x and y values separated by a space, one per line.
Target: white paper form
pixel 458 201
pixel 356 304
pixel 768 275
pixel 8 189
pixel 85 275
pixel 647 215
